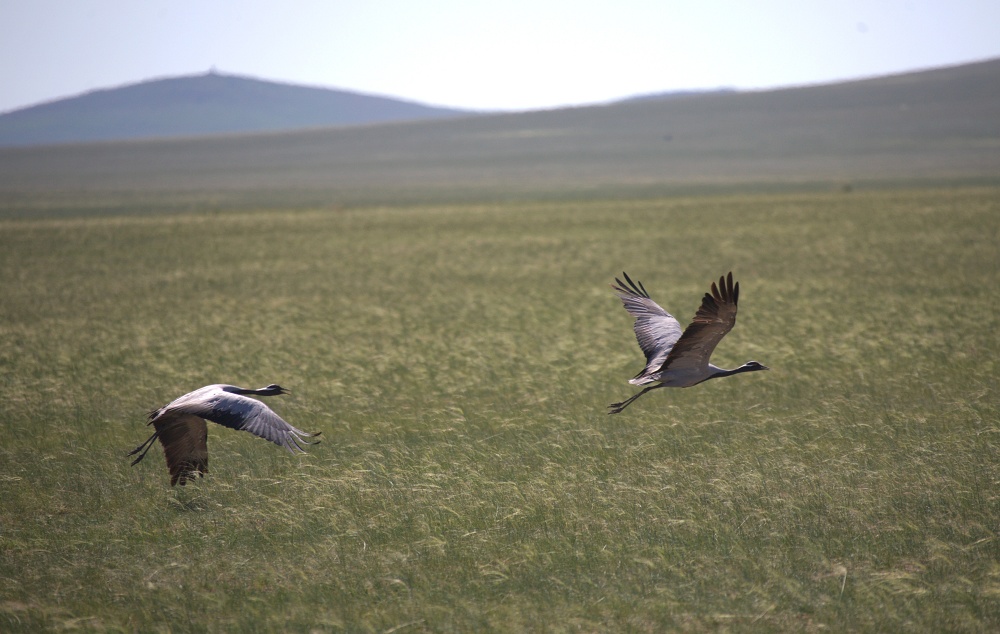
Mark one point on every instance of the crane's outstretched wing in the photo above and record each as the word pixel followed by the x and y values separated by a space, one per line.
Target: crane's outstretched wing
pixel 656 330
pixel 715 317
pixel 243 413
pixel 185 444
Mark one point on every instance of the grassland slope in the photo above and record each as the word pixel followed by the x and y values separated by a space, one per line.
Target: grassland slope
pixel 937 126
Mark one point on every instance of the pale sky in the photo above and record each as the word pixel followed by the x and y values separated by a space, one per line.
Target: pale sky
pixel 514 54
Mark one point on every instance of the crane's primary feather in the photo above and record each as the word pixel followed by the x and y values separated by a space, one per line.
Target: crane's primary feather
pixel 656 330
pixel 185 445
pixel 715 317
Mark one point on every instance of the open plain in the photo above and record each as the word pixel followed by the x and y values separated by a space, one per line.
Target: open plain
pixel 458 349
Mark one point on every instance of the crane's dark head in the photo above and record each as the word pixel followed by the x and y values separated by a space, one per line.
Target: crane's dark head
pixel 271 390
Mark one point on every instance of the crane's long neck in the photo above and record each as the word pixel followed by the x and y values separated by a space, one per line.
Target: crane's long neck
pixel 270 390
pixel 718 372
pixel 242 391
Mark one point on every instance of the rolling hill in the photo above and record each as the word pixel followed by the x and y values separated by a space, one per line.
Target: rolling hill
pixel 935 126
pixel 212 103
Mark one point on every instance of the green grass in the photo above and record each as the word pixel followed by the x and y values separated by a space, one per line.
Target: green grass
pixel 459 361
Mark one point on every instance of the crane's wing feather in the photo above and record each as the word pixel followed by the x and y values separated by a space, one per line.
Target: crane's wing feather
pixel 185 444
pixel 715 318
pixel 243 413
pixel 263 422
pixel 656 330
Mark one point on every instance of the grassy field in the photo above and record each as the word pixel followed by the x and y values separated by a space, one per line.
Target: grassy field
pixel 459 361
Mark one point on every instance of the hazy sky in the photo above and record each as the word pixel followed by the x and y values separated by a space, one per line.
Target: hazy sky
pixel 514 54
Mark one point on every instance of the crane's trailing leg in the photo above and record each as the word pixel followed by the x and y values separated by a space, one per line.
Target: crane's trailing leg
pixel 144 448
pixel 618 407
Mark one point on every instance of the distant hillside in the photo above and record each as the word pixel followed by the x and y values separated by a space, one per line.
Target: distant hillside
pixel 924 128
pixel 197 105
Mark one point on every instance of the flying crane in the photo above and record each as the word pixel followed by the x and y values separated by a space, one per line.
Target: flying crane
pixel 675 358
pixel 180 426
